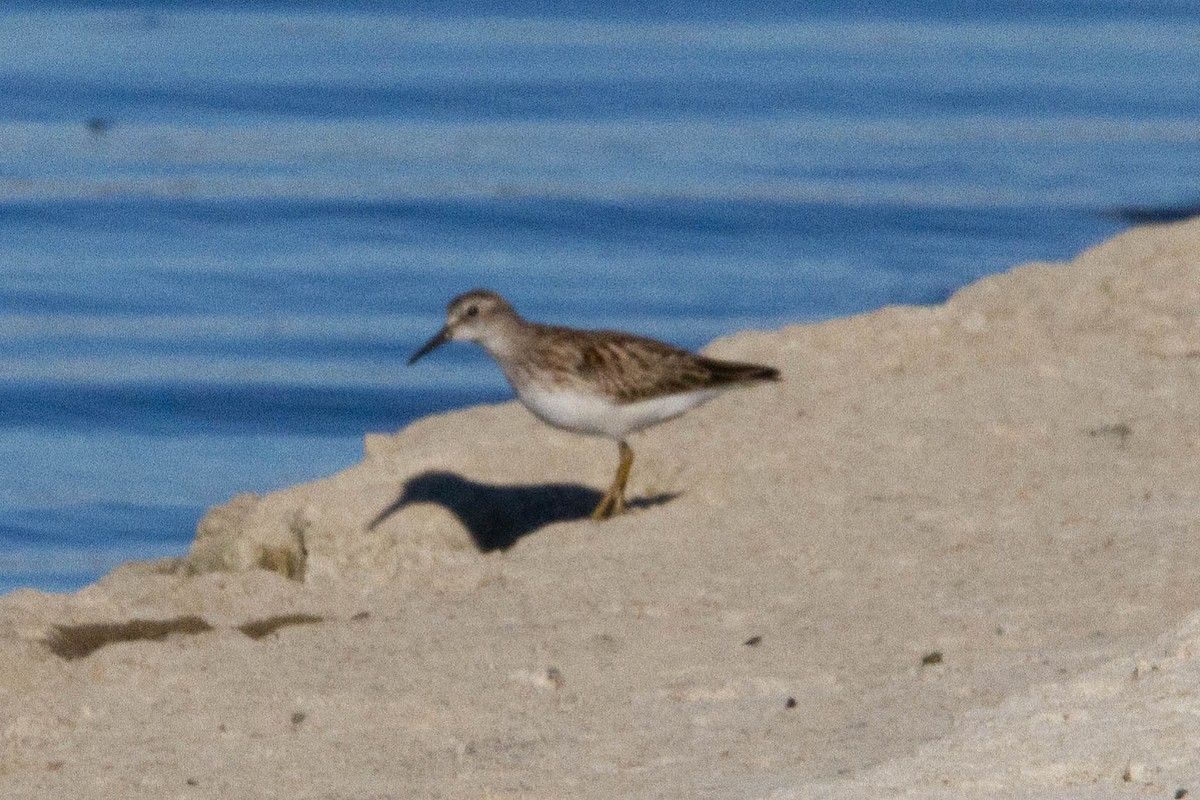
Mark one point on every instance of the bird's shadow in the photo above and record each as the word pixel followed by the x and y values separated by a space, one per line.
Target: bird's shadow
pixel 497 516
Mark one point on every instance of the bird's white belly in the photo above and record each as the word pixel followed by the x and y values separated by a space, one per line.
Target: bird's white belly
pixel 598 416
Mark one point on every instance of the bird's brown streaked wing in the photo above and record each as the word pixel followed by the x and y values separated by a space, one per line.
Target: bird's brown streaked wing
pixel 634 368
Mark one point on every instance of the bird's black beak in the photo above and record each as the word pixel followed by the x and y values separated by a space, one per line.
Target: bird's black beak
pixel 440 339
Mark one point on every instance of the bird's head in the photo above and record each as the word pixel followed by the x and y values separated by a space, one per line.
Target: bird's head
pixel 476 316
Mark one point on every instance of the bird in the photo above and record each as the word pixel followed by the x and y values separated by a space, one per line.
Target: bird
pixel 592 382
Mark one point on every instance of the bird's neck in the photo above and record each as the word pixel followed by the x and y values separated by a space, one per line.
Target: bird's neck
pixel 506 338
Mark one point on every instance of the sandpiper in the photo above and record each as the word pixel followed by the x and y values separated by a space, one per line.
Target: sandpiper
pixel 600 383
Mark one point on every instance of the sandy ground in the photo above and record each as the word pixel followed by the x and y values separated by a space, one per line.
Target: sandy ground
pixel 953 554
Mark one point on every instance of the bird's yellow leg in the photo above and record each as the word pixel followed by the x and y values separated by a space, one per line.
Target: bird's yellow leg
pixel 614 501
pixel 623 470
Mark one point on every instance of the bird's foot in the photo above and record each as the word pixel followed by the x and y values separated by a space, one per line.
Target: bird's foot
pixel 612 504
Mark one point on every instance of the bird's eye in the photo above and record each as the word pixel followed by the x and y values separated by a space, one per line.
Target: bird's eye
pixel 472 311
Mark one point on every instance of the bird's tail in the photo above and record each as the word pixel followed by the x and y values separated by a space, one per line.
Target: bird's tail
pixel 737 372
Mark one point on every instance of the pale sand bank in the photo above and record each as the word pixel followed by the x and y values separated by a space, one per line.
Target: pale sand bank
pixel 1009 481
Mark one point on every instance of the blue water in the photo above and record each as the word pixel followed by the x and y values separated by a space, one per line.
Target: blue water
pixel 224 226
